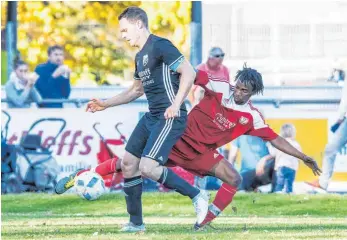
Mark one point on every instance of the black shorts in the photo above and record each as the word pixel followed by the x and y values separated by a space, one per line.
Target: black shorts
pixel 155 136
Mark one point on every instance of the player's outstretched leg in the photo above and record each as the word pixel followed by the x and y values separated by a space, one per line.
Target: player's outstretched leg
pixel 107 167
pixel 231 179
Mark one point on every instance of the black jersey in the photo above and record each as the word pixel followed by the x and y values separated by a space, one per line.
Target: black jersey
pixel 156 64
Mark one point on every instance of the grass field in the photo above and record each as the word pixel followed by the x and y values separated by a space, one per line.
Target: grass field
pixel 3 67
pixel 170 216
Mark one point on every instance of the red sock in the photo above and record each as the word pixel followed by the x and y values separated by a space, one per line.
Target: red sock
pixel 107 167
pixel 223 198
pixel 104 168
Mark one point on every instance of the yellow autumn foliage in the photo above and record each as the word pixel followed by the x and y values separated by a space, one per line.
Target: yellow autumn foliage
pixel 89 32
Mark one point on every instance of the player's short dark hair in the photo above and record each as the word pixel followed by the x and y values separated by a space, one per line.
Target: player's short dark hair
pixel 252 77
pixel 53 48
pixel 134 14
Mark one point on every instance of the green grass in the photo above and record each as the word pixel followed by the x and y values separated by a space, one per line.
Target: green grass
pixel 170 216
pixel 3 67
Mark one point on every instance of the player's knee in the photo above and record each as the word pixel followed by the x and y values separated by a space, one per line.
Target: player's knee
pixel 234 178
pixel 237 180
pixel 146 167
pixel 127 165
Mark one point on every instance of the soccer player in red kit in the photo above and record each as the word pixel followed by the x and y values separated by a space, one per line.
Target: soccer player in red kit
pixel 224 114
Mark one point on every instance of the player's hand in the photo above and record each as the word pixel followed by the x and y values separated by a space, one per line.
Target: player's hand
pixel 313 165
pixel 95 105
pixel 171 112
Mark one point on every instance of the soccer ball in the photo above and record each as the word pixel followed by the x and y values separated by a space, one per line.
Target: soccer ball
pixel 89 185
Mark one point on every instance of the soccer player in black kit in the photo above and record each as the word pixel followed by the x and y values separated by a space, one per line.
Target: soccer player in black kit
pixel 165 76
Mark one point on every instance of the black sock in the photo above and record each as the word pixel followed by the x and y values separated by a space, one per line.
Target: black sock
pixel 133 191
pixel 172 181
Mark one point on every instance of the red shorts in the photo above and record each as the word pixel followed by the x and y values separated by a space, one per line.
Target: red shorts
pixel 183 155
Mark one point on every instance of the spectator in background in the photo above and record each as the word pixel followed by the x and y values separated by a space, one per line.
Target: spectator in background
pixel 285 165
pixel 54 80
pixel 256 168
pixel 337 75
pixel 20 90
pixel 213 66
pixel 338 140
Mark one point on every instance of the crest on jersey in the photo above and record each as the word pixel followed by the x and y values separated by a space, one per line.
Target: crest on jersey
pixel 243 120
pixel 145 60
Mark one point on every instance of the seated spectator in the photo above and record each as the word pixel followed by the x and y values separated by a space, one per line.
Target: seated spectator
pixel 54 80
pixel 256 166
pixel 20 88
pixel 285 165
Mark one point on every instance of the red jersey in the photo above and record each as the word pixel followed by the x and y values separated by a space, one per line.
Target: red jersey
pixel 217 119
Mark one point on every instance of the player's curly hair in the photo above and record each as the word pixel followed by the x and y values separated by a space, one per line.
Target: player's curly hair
pixel 252 77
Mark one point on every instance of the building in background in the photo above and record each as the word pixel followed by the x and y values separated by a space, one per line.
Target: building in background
pixel 289 42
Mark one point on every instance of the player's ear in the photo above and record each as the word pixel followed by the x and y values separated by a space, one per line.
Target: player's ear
pixel 139 24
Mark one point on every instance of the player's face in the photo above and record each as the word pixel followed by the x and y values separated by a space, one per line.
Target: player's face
pixel 242 93
pixel 129 31
pixel 56 57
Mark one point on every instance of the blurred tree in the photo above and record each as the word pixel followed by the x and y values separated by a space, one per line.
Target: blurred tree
pixel 3 14
pixel 89 33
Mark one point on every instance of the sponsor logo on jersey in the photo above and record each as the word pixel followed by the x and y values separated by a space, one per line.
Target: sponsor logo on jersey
pixel 145 74
pixel 243 120
pixel 146 83
pixel 145 60
pixel 222 122
pixel 161 158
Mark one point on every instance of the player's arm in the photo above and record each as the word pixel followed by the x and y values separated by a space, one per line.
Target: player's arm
pixel 283 145
pixel 176 62
pixel 186 82
pixel 129 95
pixel 260 129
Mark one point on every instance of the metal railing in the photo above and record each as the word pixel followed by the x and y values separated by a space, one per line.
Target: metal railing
pixel 275 102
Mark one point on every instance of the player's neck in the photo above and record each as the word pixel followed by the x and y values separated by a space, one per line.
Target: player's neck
pixel 143 38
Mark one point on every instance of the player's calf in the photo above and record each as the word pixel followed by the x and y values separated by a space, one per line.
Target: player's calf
pixel 231 178
pixel 171 180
